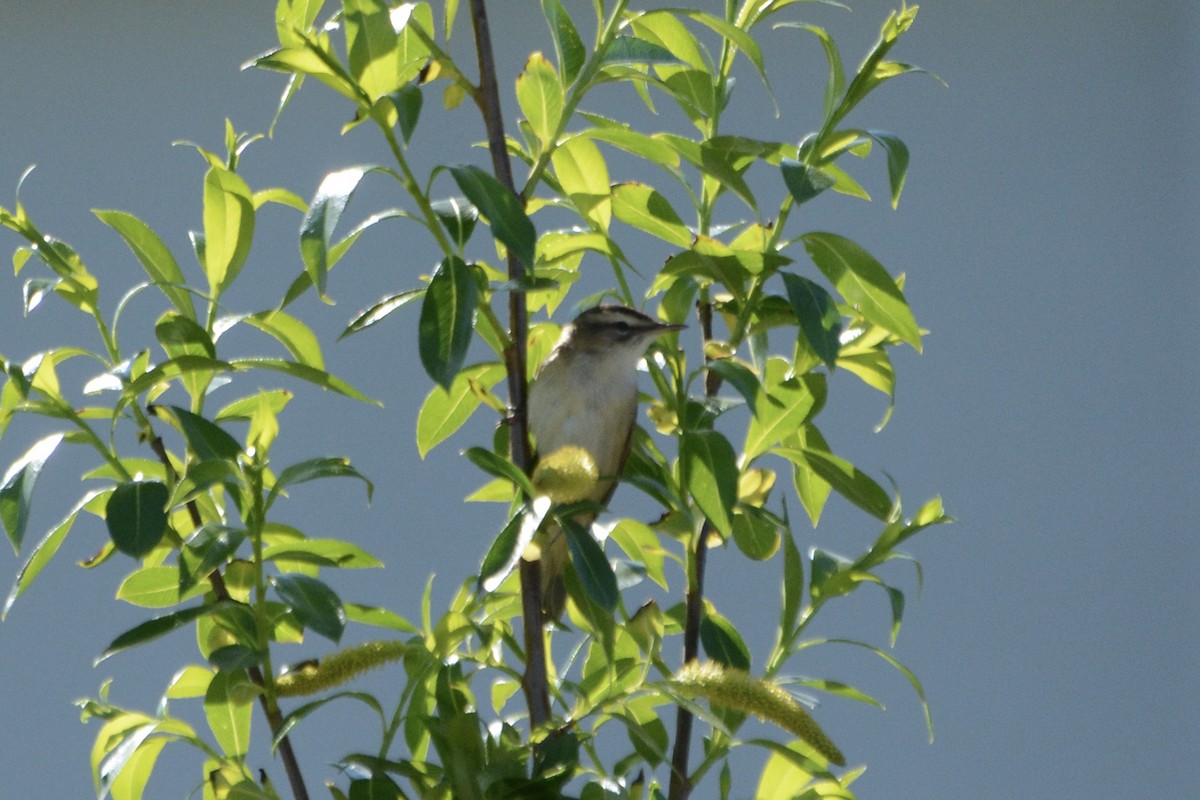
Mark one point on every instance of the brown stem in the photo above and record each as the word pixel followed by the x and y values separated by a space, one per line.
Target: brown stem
pixel 534 682
pixel 274 718
pixel 681 785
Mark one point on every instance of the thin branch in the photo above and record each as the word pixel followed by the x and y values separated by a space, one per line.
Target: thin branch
pixel 291 766
pixel 681 784
pixel 534 682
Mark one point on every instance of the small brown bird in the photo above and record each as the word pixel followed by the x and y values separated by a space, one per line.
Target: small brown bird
pixel 585 395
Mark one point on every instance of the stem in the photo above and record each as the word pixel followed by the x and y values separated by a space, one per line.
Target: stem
pixel 291 766
pixel 681 784
pixel 535 682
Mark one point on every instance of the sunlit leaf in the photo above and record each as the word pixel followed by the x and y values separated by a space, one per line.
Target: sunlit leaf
pixel 540 96
pixel 642 207
pixel 228 708
pixel 583 176
pixel 154 257
pixel 228 226
pixel 16 492
pixel 446 410
pixel 316 229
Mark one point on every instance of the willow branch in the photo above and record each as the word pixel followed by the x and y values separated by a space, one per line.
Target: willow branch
pixel 681 785
pixel 291 766
pixel 534 682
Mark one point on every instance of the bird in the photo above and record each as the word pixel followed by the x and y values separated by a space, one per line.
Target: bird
pixel 584 395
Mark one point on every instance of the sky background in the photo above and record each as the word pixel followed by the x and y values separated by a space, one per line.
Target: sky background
pixel 1049 234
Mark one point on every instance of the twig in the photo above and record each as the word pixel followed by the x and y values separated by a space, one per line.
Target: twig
pixel 534 682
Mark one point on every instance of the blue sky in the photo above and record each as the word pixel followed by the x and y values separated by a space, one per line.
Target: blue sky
pixel 1048 232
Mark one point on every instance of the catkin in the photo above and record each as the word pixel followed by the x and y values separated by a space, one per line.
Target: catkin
pixel 338 668
pixel 741 691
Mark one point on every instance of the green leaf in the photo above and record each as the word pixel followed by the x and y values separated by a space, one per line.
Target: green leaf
pixel 378 787
pixel 793 586
pixel 227 706
pixel 315 468
pixel 180 335
pixel 303 372
pixel 228 227
pixel 207 549
pixel 897 161
pixel 202 476
pixel 378 617
pixel 322 552
pixel 591 565
pixel 583 175
pixel 154 257
pixel 804 182
pixel 378 312
pixel 811 488
pixel 136 516
pixel 447 320
pixel 293 334
pixel 243 410
pixel 864 283
pixel 314 604
pixel 506 549
pixel 712 474
pixel 853 484
pixel 316 229
pixel 795 400
pixel 458 216
pixel 130 782
pixel 510 224
pixel 152 587
pixel 572 54
pixel 722 642
pixel 820 322
pixel 741 378
pixel 43 552
pixel 500 467
pixel 408 102
pixel 755 533
pixel 16 493
pixel 446 410
pixel 206 439
pixel 372 47
pixel 160 626
pixel 837 75
pixel 540 96
pixel 632 50
pixel 642 207
pixel 641 544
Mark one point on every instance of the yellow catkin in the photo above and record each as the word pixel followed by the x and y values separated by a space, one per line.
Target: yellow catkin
pixel 338 668
pixel 741 691
pixel 567 475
